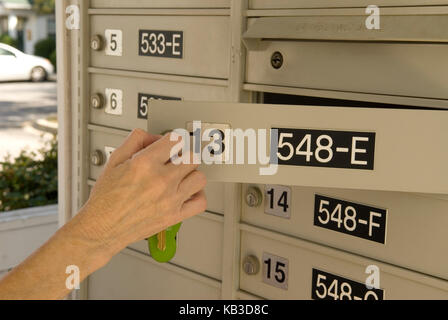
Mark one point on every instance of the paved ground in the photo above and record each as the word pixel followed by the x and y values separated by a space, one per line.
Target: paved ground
pixel 21 103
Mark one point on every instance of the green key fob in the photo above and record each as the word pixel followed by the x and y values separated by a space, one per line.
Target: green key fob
pixel 163 245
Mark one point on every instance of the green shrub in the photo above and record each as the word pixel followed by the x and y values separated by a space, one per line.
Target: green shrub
pixel 44 48
pixel 5 38
pixel 26 182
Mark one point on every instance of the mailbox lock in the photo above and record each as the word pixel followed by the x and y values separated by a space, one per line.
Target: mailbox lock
pixel 96 43
pixel 254 197
pixel 277 60
pixel 97 101
pixel 97 158
pixel 251 266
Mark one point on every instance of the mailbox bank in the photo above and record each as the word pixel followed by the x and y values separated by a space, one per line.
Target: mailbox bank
pixel 361 120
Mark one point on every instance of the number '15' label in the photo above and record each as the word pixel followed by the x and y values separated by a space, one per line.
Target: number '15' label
pixel 275 271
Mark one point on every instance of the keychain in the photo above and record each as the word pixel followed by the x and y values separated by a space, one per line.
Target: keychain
pixel 163 245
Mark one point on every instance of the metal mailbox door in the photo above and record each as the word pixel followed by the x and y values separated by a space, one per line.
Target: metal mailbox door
pixel 335 147
pixel 162 44
pixel 335 51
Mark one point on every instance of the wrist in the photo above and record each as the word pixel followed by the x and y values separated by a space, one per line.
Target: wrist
pixel 86 241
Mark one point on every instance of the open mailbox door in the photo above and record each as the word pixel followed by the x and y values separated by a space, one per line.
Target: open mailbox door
pixel 335 147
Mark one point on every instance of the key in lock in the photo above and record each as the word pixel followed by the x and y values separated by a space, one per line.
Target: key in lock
pixel 163 245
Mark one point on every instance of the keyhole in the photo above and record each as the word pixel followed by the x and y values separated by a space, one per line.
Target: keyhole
pixel 277 60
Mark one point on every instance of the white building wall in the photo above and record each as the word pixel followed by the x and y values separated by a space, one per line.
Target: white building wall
pixel 36 29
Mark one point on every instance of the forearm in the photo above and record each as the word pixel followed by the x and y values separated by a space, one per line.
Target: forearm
pixel 43 275
pixel 139 194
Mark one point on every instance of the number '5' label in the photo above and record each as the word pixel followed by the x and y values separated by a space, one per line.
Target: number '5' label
pixel 114 43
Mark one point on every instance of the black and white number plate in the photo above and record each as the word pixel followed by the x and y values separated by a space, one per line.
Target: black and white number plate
pixel 324 148
pixel 350 218
pixel 157 43
pixel 143 103
pixel 327 286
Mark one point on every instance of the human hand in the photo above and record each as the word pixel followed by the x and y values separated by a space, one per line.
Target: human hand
pixel 139 194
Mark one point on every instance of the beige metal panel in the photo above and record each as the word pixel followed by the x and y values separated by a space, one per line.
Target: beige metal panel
pixel 131 275
pixel 199 245
pixel 206 47
pixel 214 192
pixel 396 27
pixel 160 4
pixel 133 110
pixel 415 226
pixel 407 158
pixel 303 256
pixel 399 69
pixel 281 4
pixel 105 140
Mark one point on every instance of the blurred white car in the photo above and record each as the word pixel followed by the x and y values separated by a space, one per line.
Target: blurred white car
pixel 16 65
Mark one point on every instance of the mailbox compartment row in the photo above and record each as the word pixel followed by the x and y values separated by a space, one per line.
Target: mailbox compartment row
pixel 278 267
pixel 196 46
pixel 404 229
pixel 404 61
pixel 122 102
pixel 259 4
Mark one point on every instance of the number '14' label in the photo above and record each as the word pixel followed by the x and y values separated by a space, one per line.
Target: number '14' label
pixel 278 201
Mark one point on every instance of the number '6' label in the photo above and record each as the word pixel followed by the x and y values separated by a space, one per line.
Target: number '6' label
pixel 114 105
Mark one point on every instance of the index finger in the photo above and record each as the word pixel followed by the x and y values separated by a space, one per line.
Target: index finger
pixel 165 148
pixel 136 141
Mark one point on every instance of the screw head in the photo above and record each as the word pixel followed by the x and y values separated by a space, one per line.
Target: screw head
pixel 97 158
pixel 97 101
pixel 277 60
pixel 254 197
pixel 251 265
pixel 96 43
